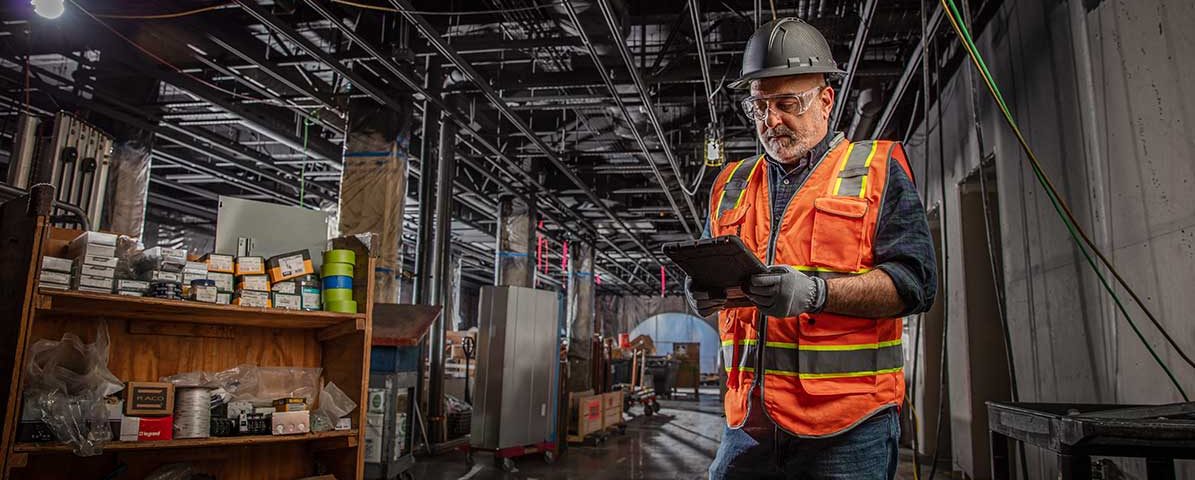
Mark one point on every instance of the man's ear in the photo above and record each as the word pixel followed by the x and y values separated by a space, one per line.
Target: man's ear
pixel 827 100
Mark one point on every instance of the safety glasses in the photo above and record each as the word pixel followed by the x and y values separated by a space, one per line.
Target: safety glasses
pixel 756 107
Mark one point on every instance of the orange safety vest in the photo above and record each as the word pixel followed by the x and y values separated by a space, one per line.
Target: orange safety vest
pixel 822 373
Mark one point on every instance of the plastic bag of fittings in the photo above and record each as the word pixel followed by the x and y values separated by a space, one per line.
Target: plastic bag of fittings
pixel 257 385
pixel 333 404
pixel 178 471
pixel 456 405
pixel 67 382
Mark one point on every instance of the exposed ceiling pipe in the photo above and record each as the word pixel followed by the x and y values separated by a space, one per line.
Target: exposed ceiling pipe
pixel 622 107
pixel 844 93
pixel 648 106
pixel 463 123
pixel 910 71
pixel 263 65
pixel 434 38
pixel 867 106
pixel 695 13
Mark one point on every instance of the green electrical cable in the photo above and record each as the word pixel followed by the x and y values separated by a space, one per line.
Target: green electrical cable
pixel 1081 240
pixel 303 171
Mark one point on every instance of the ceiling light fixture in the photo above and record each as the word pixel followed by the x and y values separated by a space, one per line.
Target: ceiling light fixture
pixel 50 9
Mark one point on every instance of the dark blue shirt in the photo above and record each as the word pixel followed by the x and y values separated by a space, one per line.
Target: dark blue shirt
pixel 903 247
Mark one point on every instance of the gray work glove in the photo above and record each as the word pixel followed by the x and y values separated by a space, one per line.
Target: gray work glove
pixel 701 301
pixel 707 306
pixel 786 292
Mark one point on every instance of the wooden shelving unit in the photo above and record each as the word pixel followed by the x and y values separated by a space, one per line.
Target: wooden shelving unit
pixel 151 338
pixel 343 439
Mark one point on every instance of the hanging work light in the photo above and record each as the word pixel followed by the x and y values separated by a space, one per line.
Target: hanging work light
pixel 715 153
pixel 50 9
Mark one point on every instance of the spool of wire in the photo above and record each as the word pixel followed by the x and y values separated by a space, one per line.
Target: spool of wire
pixel 192 412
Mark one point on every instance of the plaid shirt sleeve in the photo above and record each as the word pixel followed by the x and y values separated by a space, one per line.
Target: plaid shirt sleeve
pixel 903 247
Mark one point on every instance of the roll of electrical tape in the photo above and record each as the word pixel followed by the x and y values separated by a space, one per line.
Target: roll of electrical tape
pixel 345 306
pixel 340 256
pixel 337 269
pixel 337 295
pixel 338 281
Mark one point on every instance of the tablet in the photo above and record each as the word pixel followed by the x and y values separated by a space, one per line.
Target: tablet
pixel 720 266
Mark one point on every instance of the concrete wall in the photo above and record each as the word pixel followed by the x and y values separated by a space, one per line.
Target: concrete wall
pixel 1102 90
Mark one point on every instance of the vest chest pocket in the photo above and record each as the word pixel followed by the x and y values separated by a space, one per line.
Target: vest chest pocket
pixel 731 221
pixel 838 229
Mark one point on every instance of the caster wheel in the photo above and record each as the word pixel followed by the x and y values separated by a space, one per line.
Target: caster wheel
pixel 507 465
pixel 549 457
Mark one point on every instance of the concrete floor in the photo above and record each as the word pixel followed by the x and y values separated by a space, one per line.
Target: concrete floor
pixel 678 443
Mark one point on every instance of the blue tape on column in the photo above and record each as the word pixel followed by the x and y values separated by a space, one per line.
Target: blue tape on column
pixel 338 281
pixel 367 154
pixel 506 254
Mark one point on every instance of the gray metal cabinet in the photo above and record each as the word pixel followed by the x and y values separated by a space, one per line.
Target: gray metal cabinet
pixel 516 377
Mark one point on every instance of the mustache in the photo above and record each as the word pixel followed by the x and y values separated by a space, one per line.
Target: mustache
pixel 778 131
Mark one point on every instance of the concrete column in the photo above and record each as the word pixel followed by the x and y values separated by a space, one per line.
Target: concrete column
pixel 373 186
pixel 441 281
pixel 515 254
pixel 128 167
pixel 580 312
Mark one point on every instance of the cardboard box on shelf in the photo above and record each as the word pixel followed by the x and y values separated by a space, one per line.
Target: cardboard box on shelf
pixel 56 264
pixel 219 263
pixel 94 270
pixel 53 277
pixel 149 398
pixel 97 260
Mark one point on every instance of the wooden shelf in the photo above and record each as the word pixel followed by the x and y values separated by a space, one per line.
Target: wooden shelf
pixel 329 440
pixel 70 302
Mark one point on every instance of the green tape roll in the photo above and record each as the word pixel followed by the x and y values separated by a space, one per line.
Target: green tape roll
pixel 340 256
pixel 345 306
pixel 334 269
pixel 338 295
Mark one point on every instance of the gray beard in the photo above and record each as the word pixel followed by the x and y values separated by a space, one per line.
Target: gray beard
pixel 801 151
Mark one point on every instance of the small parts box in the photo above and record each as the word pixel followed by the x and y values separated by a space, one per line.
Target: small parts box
pixel 149 398
pixel 290 404
pixel 144 429
pixel 290 266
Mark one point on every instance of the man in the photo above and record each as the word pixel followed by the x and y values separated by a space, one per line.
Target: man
pixel 814 367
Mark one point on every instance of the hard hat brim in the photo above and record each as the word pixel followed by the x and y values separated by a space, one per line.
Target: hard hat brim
pixel 782 71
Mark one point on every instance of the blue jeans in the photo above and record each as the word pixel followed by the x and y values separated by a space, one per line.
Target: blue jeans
pixel 760 450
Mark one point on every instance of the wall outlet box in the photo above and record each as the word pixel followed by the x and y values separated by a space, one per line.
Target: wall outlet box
pixel 291 423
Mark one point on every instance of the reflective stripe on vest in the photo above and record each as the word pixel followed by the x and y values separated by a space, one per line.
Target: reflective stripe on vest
pixel 736 186
pixel 852 176
pixel 818 361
